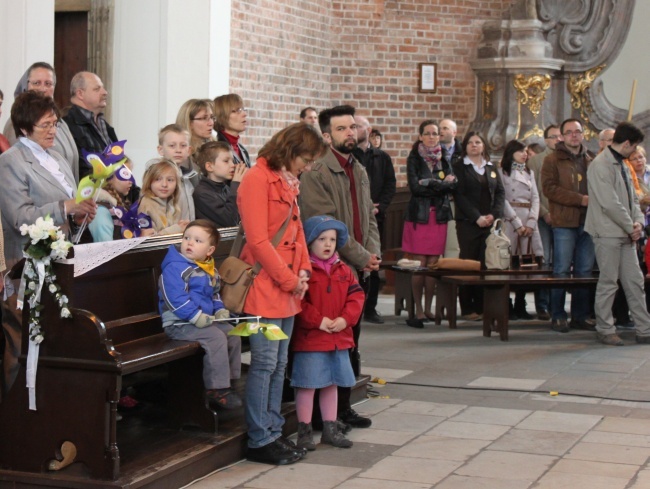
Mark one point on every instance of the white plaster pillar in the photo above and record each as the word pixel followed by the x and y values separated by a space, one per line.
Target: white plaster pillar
pixel 27 36
pixel 165 52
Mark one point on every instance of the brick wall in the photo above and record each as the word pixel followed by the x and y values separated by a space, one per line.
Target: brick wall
pixel 280 62
pixel 364 53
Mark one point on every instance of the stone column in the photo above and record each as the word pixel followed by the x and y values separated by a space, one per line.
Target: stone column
pixel 515 71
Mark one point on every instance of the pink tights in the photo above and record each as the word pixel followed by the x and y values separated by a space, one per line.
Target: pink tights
pixel 305 403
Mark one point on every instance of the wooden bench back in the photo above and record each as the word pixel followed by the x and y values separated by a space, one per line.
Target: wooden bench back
pixel 123 292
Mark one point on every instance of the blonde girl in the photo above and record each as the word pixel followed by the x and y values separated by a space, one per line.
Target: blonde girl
pixel 160 198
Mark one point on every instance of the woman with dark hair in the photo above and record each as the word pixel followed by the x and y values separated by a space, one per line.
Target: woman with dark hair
pixel 36 182
pixel 520 211
pixel 267 201
pixel 231 122
pixel 431 181
pixel 479 201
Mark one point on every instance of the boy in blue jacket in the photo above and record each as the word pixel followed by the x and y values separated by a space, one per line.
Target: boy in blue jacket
pixel 189 303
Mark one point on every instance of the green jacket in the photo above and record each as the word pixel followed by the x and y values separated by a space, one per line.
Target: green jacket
pixel 325 190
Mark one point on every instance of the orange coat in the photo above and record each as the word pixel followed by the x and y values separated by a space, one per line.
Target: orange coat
pixel 264 199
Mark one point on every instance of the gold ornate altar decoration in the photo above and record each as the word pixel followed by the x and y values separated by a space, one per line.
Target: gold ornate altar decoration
pixel 531 92
pixel 487 88
pixel 579 87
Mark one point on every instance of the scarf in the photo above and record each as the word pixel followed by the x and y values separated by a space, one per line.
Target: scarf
pixel 234 143
pixel 207 266
pixel 291 179
pixel 324 264
pixel 431 156
pixel 518 166
pixel 635 179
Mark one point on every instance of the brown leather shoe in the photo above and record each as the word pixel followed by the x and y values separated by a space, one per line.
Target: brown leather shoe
pixel 610 339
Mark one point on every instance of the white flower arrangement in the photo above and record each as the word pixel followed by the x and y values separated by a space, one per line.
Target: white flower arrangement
pixel 47 243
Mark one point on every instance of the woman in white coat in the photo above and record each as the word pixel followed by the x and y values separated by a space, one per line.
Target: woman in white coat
pixel 520 211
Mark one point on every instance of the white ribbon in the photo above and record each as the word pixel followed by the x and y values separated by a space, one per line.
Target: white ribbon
pixel 32 365
pixel 33 350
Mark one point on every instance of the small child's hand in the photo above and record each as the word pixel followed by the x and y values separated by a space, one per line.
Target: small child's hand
pixel 326 325
pixel 339 324
pixel 240 171
pixel 203 320
pixel 222 314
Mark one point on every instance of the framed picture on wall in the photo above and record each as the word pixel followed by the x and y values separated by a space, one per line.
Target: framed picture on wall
pixel 427 77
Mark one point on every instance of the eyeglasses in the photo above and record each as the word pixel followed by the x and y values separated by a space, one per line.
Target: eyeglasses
pixel 239 110
pixel 306 161
pixel 206 118
pixel 573 133
pixel 637 158
pixel 46 126
pixel 39 83
pixel 430 134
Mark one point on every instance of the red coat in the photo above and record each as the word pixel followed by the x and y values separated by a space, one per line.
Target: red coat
pixel 264 199
pixel 335 295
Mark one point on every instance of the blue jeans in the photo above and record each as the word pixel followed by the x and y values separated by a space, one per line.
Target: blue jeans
pixel 264 385
pixel 543 296
pixel 572 246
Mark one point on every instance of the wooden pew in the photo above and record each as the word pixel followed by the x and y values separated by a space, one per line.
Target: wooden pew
pixel 115 331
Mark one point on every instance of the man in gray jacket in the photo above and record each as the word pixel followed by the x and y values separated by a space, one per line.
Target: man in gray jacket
pixel 338 186
pixel 615 222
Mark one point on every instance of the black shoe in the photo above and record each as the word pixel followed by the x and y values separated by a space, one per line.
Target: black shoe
pixel 223 398
pixel 643 339
pixel 274 454
pixel 559 325
pixel 289 445
pixel 523 315
pixel 317 425
pixel 627 325
pixel 543 315
pixel 415 323
pixel 354 419
pixel 373 317
pixel 585 324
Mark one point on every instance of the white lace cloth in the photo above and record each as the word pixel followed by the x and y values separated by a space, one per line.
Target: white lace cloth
pixel 92 255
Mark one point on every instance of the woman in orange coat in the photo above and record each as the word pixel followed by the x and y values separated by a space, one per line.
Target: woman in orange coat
pixel 267 197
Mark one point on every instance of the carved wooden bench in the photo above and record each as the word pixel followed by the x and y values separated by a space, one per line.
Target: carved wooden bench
pixel 115 331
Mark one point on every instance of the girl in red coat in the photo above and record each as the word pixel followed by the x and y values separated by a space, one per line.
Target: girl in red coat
pixel 323 333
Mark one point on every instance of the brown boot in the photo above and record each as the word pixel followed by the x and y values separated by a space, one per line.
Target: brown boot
pixel 332 435
pixel 305 438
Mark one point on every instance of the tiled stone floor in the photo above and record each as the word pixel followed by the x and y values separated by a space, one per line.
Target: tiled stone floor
pixel 462 411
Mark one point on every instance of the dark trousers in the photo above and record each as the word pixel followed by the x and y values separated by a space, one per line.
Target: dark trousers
pixel 471 240
pixel 372 291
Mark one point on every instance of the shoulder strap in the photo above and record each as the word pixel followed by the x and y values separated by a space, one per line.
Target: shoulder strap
pixel 241 237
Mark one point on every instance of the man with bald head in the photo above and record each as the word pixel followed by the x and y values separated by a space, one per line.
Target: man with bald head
pixel 381 173
pixel 86 116
pixel 605 138
pixel 451 146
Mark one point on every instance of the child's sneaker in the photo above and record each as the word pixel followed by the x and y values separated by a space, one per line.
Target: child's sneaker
pixel 223 398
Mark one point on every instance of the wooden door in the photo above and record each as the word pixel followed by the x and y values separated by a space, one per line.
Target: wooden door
pixel 70 51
